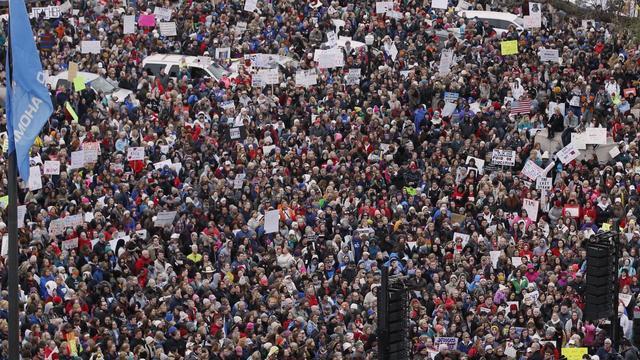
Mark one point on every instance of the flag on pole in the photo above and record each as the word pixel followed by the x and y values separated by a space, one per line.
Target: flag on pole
pixel 28 101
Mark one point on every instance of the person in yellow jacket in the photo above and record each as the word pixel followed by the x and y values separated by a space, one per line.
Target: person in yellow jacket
pixel 194 257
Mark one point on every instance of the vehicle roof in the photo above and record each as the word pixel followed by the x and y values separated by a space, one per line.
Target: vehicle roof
pixel 173 59
pixel 470 14
pixel 88 77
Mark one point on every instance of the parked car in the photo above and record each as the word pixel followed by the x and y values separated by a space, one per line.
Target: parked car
pixel 92 81
pixel 199 67
pixel 500 21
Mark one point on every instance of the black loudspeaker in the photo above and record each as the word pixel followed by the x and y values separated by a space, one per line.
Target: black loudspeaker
pixel 601 281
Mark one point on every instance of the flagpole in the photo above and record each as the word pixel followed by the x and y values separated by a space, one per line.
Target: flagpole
pixel 12 267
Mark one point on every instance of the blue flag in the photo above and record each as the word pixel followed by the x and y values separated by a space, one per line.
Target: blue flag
pixel 28 100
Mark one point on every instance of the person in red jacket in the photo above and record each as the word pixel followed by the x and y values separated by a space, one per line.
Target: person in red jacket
pixel 143 261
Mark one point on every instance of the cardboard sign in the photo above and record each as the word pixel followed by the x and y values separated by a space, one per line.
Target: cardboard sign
pixel 73 71
pixel 509 47
pixel 135 153
pixel 503 157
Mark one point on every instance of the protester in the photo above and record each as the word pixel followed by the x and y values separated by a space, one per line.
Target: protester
pixel 278 238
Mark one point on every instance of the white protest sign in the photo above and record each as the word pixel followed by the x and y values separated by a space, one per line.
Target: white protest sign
pixel 446 60
pixel 56 227
pixel 70 244
pixel 165 218
pixel 516 261
pixel 531 207
pixel 5 245
pixel 91 151
pixel 579 140
pixel 383 6
pixel 162 13
pixel 568 153
pixel 532 296
pixel 625 299
pixel 223 53
pixel 90 47
pixel 552 108
pixel 129 24
pixel 550 55
pixel 52 167
pixel 135 153
pixel 306 78
pixel 353 76
pixel 35 179
pixel 73 221
pixel 234 133
pixel 615 151
pixel 535 11
pixel 503 157
pixel 331 58
pixel 451 342
pixel 241 27
pixel 479 163
pixel 439 4
pixel 495 256
pixel 391 50
pixel 271 221
pixel 448 109
pixel 531 22
pixel 250 5
pixel 463 237
pixel 168 28
pixel 332 39
pixel 544 183
pixel 50 12
pixel 66 6
pixel 226 105
pixel 22 211
pixel 531 170
pixel 596 136
pixel 269 76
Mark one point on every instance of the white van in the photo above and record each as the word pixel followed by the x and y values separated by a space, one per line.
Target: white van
pixel 199 67
pixel 500 21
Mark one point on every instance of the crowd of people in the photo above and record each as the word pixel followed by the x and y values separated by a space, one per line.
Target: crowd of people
pixel 377 173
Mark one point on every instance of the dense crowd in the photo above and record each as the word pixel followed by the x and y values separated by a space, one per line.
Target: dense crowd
pixel 372 175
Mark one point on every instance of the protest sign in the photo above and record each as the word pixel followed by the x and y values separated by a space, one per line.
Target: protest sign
pixel 451 342
pixel 516 261
pixel 306 78
pixel 549 55
pixel 446 60
pixel 128 24
pixel 49 12
pixel 162 13
pixel 451 96
pixel 509 47
pixel 135 153
pixel 90 47
pixel 596 135
pixel 568 153
pixel 544 183
pixel 531 170
pixel 22 211
pixel 531 207
pixel 165 218
pixel 439 4
pixel 70 244
pixel 353 76
pixel 495 256
pixel 503 157
pixel 383 6
pixel 250 5
pixel 168 28
pixel 574 353
pixel 271 221
pixel 52 167
pixel 147 20
pixel 35 179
